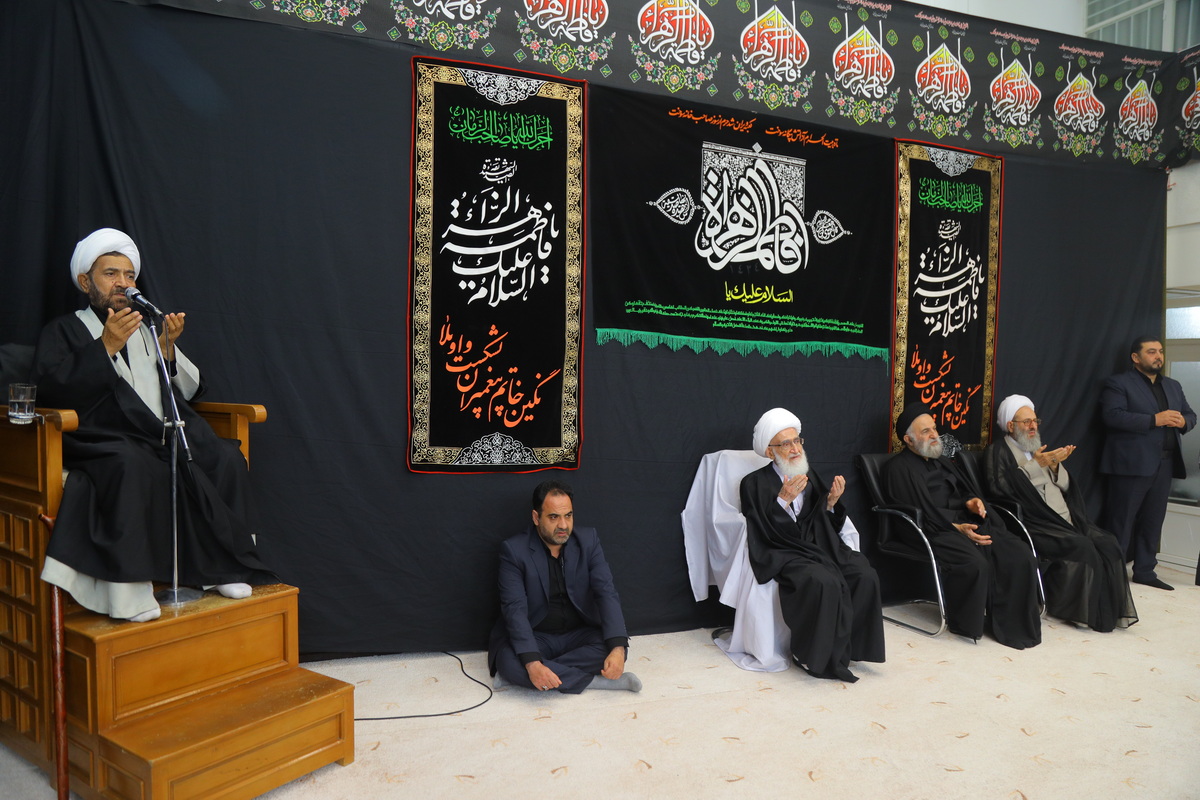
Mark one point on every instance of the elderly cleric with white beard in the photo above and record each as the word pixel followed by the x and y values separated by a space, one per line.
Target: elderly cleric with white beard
pixel 987 573
pixel 828 592
pixel 1082 565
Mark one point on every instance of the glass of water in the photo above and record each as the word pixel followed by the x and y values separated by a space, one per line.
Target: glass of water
pixel 21 397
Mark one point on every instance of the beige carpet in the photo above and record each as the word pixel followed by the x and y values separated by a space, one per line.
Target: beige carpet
pixel 1084 715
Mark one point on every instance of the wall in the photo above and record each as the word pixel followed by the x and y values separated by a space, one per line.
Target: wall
pixel 1181 530
pixel 1064 16
pixel 265 174
pixel 1183 227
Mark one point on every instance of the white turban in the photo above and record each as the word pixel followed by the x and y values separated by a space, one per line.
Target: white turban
pixel 771 423
pixel 1009 407
pixel 96 244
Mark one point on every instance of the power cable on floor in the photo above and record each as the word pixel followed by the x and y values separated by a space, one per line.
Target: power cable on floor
pixel 462 667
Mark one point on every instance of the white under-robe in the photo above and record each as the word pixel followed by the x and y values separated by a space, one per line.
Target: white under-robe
pixel 124 600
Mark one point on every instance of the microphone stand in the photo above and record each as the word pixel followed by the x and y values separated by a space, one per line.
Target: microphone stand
pixel 176 595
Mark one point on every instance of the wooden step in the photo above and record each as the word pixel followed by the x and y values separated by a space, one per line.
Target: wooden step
pixel 117 670
pixel 237 743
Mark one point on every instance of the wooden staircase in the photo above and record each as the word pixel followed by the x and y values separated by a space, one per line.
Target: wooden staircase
pixel 208 701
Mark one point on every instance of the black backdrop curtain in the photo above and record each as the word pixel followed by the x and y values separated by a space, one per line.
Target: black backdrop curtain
pixel 264 173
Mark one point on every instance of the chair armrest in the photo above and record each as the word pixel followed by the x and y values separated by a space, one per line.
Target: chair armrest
pixel 31 459
pixel 252 412
pixel 232 421
pixel 1019 526
pixel 912 516
pixel 64 420
pixel 910 513
pixel 1011 507
pixel 1015 524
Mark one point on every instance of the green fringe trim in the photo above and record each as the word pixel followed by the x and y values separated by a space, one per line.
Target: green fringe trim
pixel 745 348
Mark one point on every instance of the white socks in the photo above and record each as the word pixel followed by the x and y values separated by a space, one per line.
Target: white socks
pixel 236 591
pixel 146 616
pixel 629 682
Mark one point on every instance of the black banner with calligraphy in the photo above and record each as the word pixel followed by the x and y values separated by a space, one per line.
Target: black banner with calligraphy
pixel 947 274
pixel 497 269
pixel 736 231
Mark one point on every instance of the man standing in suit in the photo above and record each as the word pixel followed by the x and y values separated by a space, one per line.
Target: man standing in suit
pixel 560 623
pixel 1145 414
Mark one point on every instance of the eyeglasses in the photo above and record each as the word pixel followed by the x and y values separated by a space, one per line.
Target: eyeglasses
pixel 1025 423
pixel 789 443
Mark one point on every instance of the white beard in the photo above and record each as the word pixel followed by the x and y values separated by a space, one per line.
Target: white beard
pixel 927 449
pixel 1027 442
pixel 791 468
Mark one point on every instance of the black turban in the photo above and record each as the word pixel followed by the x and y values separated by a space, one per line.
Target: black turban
pixel 910 413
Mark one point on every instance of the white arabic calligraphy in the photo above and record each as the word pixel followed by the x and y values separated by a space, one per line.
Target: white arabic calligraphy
pixel 1014 95
pixel 772 46
pixel 675 29
pixel 747 218
pixel 1138 113
pixel 948 283
pixel 862 65
pixel 1078 107
pixel 454 9
pixel 577 20
pixel 501 240
pixel 942 82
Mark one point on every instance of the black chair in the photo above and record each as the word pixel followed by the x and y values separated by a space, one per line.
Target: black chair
pixel 890 518
pixel 1010 512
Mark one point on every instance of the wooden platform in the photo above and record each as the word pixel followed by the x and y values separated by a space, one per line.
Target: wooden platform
pixel 208 701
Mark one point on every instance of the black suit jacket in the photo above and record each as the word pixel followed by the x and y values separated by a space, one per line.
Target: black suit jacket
pixel 1132 445
pixel 524 582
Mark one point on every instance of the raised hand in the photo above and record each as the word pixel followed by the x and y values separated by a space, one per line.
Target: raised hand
pixel 172 327
pixel 792 487
pixel 119 326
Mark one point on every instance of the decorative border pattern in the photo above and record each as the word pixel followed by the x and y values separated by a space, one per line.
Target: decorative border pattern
pixel 906 153
pixel 427 75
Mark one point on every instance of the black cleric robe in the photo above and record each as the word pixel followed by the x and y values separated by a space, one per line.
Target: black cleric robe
pixel 829 594
pixel 1083 568
pixel 998 579
pixel 114 523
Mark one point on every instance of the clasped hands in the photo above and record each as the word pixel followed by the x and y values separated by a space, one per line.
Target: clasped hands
pixel 793 486
pixel 122 324
pixel 544 679
pixel 976 507
pixel 1169 419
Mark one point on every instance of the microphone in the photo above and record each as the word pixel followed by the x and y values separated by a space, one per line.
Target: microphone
pixel 137 297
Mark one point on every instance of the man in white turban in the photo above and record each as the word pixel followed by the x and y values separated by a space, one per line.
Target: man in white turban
pixel 1083 570
pixel 113 533
pixel 828 592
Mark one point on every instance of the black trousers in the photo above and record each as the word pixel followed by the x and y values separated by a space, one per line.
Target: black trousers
pixel 1134 511
pixel 575 657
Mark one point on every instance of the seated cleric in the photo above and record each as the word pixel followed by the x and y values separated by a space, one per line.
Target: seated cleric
pixel 983 567
pixel 560 624
pixel 1083 566
pixel 828 592
pixel 113 534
